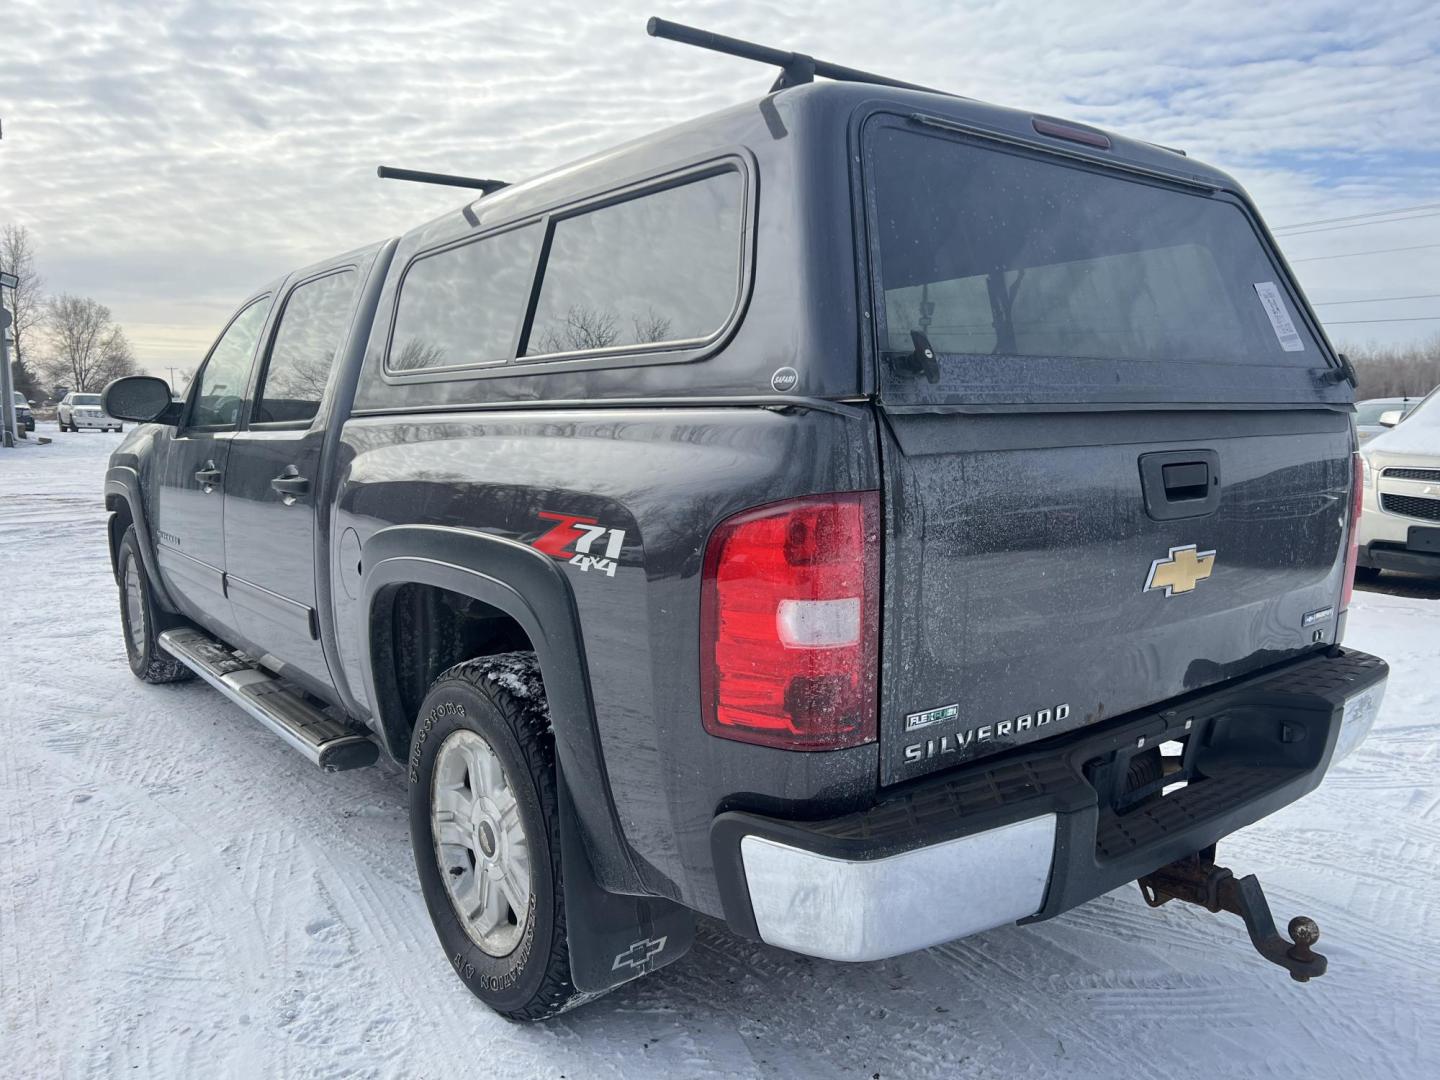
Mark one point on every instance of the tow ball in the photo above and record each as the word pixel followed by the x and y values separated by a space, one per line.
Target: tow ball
pixel 1197 880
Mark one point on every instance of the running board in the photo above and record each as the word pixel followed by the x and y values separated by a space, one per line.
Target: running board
pixel 275 703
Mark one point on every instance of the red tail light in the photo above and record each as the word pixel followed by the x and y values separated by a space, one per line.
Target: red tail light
pixel 790 612
pixel 1357 504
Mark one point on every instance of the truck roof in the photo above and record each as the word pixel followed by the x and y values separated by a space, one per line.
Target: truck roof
pixel 808 114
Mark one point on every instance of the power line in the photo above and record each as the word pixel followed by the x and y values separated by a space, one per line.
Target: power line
pixel 1357 322
pixel 1357 217
pixel 1360 224
pixel 1375 300
pixel 1377 251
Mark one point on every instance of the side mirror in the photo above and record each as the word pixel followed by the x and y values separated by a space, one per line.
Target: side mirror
pixel 1391 417
pixel 143 399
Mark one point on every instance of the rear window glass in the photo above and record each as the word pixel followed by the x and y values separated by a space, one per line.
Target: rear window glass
pixel 463 305
pixel 1368 412
pixel 994 253
pixel 661 267
pixel 86 399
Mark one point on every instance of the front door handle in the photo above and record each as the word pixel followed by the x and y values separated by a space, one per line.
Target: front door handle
pixel 208 477
pixel 291 485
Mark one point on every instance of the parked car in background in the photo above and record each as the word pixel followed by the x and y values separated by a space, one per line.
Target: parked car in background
pixel 78 411
pixel 1400 527
pixel 1368 413
pixel 24 418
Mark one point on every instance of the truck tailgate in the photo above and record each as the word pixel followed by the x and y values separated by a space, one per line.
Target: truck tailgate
pixel 1021 548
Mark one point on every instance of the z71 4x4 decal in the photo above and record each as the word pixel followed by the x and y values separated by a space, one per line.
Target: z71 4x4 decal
pixel 581 541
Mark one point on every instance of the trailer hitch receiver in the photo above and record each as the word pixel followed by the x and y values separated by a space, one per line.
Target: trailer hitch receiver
pixel 1197 880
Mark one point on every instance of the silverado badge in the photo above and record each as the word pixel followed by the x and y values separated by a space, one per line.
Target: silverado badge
pixel 1180 570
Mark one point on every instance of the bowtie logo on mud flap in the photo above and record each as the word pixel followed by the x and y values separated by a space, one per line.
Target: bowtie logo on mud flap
pixel 638 954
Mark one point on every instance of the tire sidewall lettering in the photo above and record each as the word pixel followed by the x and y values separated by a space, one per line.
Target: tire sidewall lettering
pixel 422 732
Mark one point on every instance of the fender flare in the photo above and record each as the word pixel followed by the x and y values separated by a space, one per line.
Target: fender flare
pixel 122 482
pixel 530 588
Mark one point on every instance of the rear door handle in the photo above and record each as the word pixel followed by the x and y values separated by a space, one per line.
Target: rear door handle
pixel 290 485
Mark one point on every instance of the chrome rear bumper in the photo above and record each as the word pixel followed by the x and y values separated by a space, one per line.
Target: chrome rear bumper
pixel 842 909
pixel 1029 835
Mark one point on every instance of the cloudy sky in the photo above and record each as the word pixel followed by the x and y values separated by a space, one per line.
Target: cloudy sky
pixel 171 155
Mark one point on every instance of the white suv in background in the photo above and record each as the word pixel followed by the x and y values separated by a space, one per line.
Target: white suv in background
pixel 78 411
pixel 1400 528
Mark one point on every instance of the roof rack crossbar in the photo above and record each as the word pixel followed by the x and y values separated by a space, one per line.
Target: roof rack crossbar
pixel 795 68
pixel 389 172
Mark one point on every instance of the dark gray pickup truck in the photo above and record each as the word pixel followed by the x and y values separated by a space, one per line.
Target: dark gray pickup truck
pixel 864 515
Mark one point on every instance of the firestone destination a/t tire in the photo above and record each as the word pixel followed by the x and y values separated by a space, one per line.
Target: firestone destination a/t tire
pixel 140 618
pixel 484 826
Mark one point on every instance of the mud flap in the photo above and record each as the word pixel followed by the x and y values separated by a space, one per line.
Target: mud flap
pixel 613 938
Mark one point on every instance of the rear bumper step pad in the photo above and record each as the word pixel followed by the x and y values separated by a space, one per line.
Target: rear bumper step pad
pixel 322 740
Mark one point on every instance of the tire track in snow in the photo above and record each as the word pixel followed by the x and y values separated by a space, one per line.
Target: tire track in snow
pixel 257 917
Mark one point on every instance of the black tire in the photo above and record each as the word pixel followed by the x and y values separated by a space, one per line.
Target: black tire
pixel 148 661
pixel 1367 573
pixel 533 981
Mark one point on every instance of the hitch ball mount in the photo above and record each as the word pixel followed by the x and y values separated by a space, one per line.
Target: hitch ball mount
pixel 1197 880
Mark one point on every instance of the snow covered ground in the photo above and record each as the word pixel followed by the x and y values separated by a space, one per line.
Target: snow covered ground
pixel 182 896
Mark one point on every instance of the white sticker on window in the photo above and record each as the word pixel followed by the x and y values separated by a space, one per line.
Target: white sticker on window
pixel 1274 305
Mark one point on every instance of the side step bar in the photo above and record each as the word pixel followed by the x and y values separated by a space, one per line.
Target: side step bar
pixel 326 742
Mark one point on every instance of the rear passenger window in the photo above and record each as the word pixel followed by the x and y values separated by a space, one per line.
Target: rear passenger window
pixel 312 328
pixel 463 305
pixel 660 267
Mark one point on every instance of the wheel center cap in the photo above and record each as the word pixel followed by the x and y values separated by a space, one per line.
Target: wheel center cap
pixel 486 835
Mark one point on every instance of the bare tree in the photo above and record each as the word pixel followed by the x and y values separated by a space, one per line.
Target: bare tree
pixel 17 256
pixel 651 328
pixel 117 359
pixel 88 348
pixel 417 353
pixel 305 377
pixel 1396 370
pixel 584 328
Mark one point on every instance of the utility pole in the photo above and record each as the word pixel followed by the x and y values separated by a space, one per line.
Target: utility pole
pixel 7 385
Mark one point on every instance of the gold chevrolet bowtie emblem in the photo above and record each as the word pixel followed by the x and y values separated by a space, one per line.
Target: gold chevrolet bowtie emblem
pixel 1180 570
